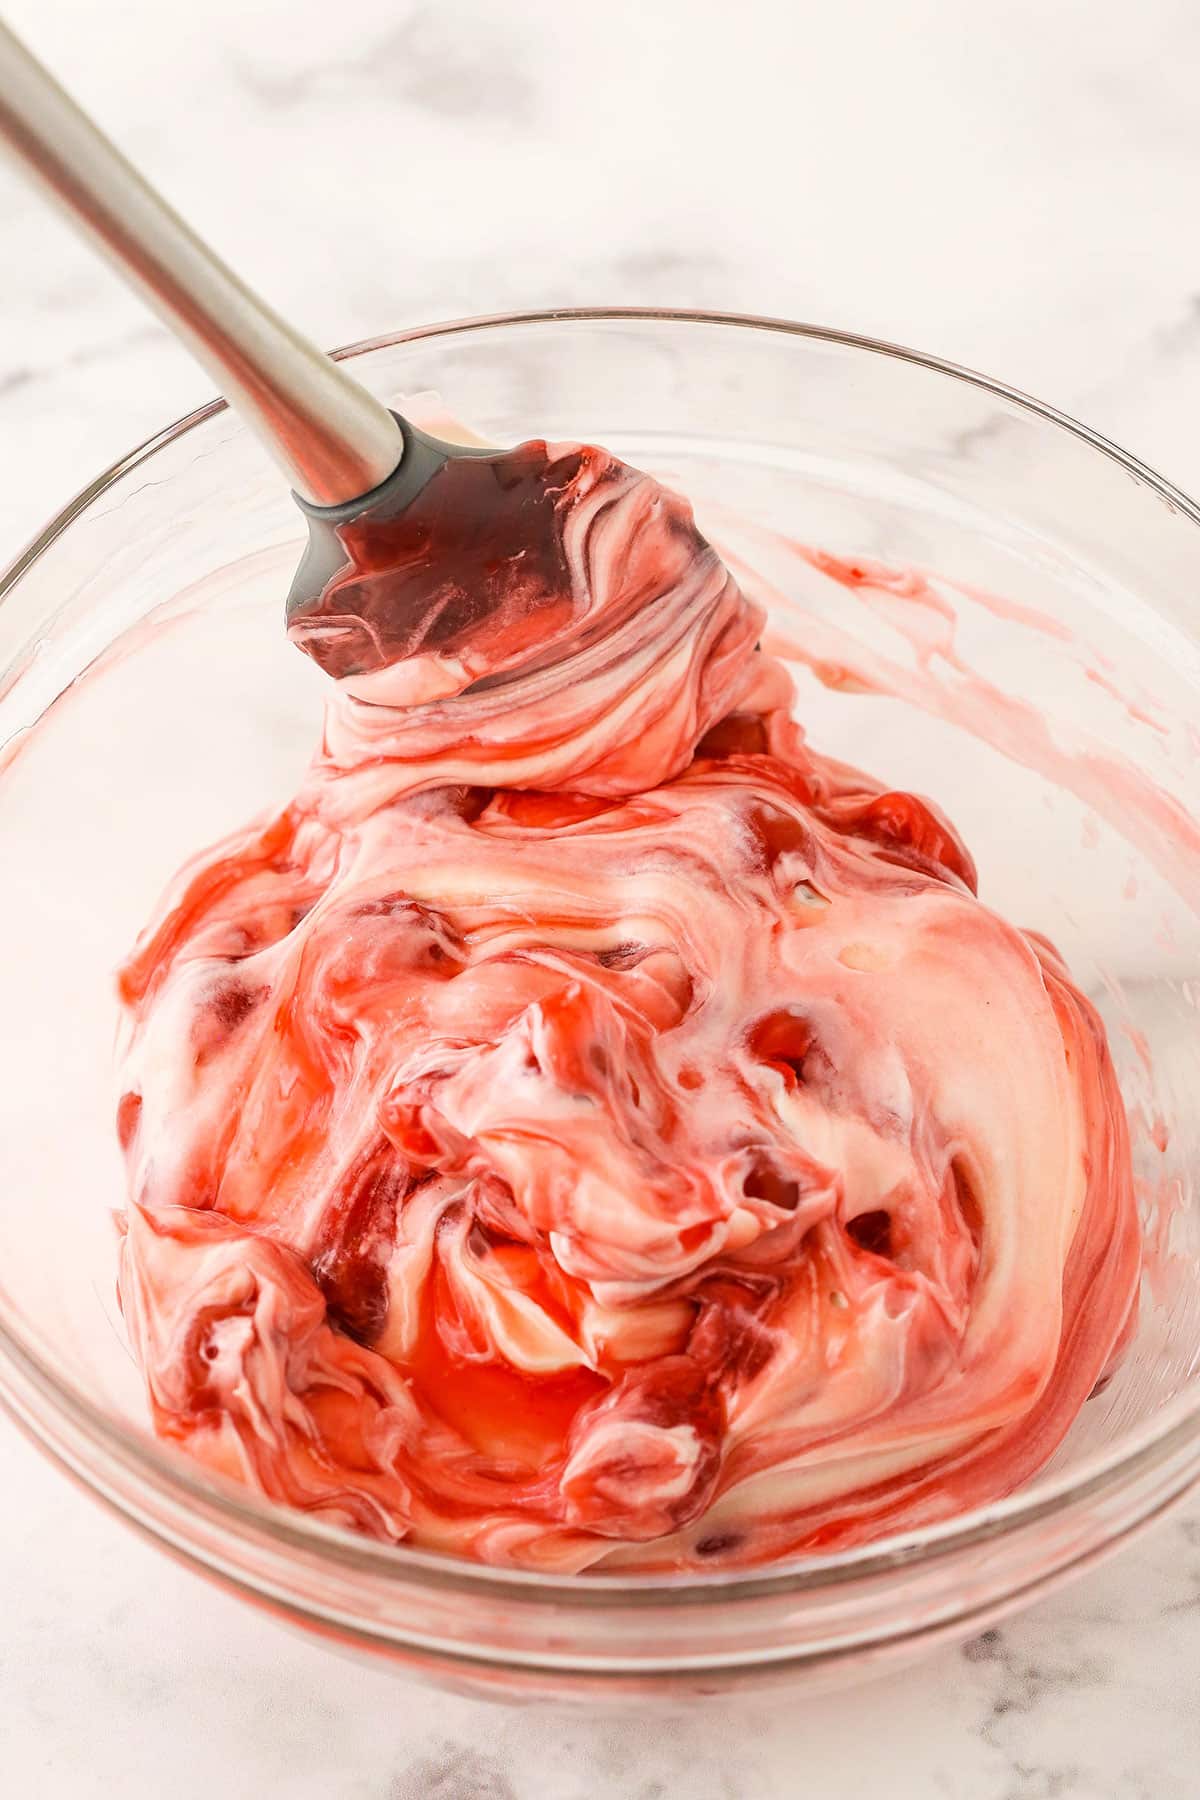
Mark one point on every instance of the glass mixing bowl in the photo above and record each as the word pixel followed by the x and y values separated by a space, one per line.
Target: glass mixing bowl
pixel 148 704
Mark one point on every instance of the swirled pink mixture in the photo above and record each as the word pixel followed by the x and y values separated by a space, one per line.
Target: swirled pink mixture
pixel 587 1124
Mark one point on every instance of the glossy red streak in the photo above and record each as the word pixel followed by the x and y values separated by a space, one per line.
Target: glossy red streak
pixel 586 1117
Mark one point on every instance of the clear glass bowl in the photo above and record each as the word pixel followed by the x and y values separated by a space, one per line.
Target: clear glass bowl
pixel 164 582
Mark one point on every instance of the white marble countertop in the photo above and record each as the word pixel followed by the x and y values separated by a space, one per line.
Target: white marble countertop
pixel 1009 184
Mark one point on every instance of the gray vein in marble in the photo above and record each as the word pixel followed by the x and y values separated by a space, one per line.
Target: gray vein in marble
pixel 1179 337
pixel 82 357
pixel 1027 1686
pixel 1176 341
pixel 422 61
pixel 1033 1783
pixel 1028 1681
pixel 1161 344
pixel 453 1773
pixel 643 270
pixel 963 443
pixel 1188 1573
pixel 680 278
pixel 18 377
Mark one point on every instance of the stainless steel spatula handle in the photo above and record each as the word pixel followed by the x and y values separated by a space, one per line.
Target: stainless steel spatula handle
pixel 334 440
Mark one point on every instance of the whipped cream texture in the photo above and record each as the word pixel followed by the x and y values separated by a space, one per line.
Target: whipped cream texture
pixel 587 1125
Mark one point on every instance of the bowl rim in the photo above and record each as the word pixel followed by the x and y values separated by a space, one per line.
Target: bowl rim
pixel 135 1449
